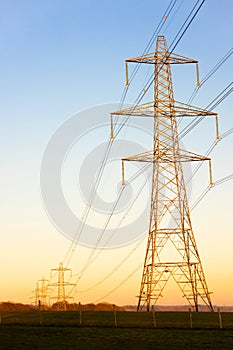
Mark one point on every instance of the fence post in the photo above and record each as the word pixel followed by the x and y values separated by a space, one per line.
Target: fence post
pixel 115 317
pixel 80 313
pixel 190 318
pixel 154 319
pixel 39 307
pixel 220 318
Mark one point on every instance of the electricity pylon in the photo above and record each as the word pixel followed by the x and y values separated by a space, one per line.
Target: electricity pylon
pixel 61 284
pixel 170 224
pixel 41 293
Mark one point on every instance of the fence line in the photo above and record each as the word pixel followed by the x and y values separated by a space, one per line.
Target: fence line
pixel 124 319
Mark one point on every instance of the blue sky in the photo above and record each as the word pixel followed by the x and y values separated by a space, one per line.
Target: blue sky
pixel 59 57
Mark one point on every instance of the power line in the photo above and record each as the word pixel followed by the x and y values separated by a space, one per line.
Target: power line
pixel 169 23
pixel 217 66
pixel 120 284
pixel 216 183
pixel 214 103
pixel 90 260
pixel 193 125
pixel 116 268
pixel 210 73
pixel 226 133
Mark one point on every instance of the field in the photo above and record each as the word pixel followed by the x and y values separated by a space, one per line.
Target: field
pixel 106 330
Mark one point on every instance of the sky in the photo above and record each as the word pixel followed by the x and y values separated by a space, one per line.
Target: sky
pixel 62 57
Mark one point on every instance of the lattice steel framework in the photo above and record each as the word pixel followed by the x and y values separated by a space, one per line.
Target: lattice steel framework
pixel 170 221
pixel 61 284
pixel 41 293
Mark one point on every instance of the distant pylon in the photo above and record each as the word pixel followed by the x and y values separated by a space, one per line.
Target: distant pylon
pixel 36 295
pixel 61 284
pixel 41 293
pixel 170 221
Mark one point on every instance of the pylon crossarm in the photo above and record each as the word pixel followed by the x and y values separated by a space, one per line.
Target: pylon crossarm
pixel 186 110
pixel 166 156
pixel 67 297
pixel 62 283
pixel 172 264
pixel 163 108
pixel 161 57
pixel 63 268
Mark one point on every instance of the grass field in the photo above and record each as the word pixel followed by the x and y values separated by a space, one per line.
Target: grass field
pixel 62 330
pixel 175 320
pixel 51 338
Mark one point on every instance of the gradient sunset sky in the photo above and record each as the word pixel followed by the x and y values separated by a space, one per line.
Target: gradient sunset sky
pixel 61 57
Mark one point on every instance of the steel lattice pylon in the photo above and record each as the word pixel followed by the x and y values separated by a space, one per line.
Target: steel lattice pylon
pixel 170 221
pixel 61 298
pixel 41 293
